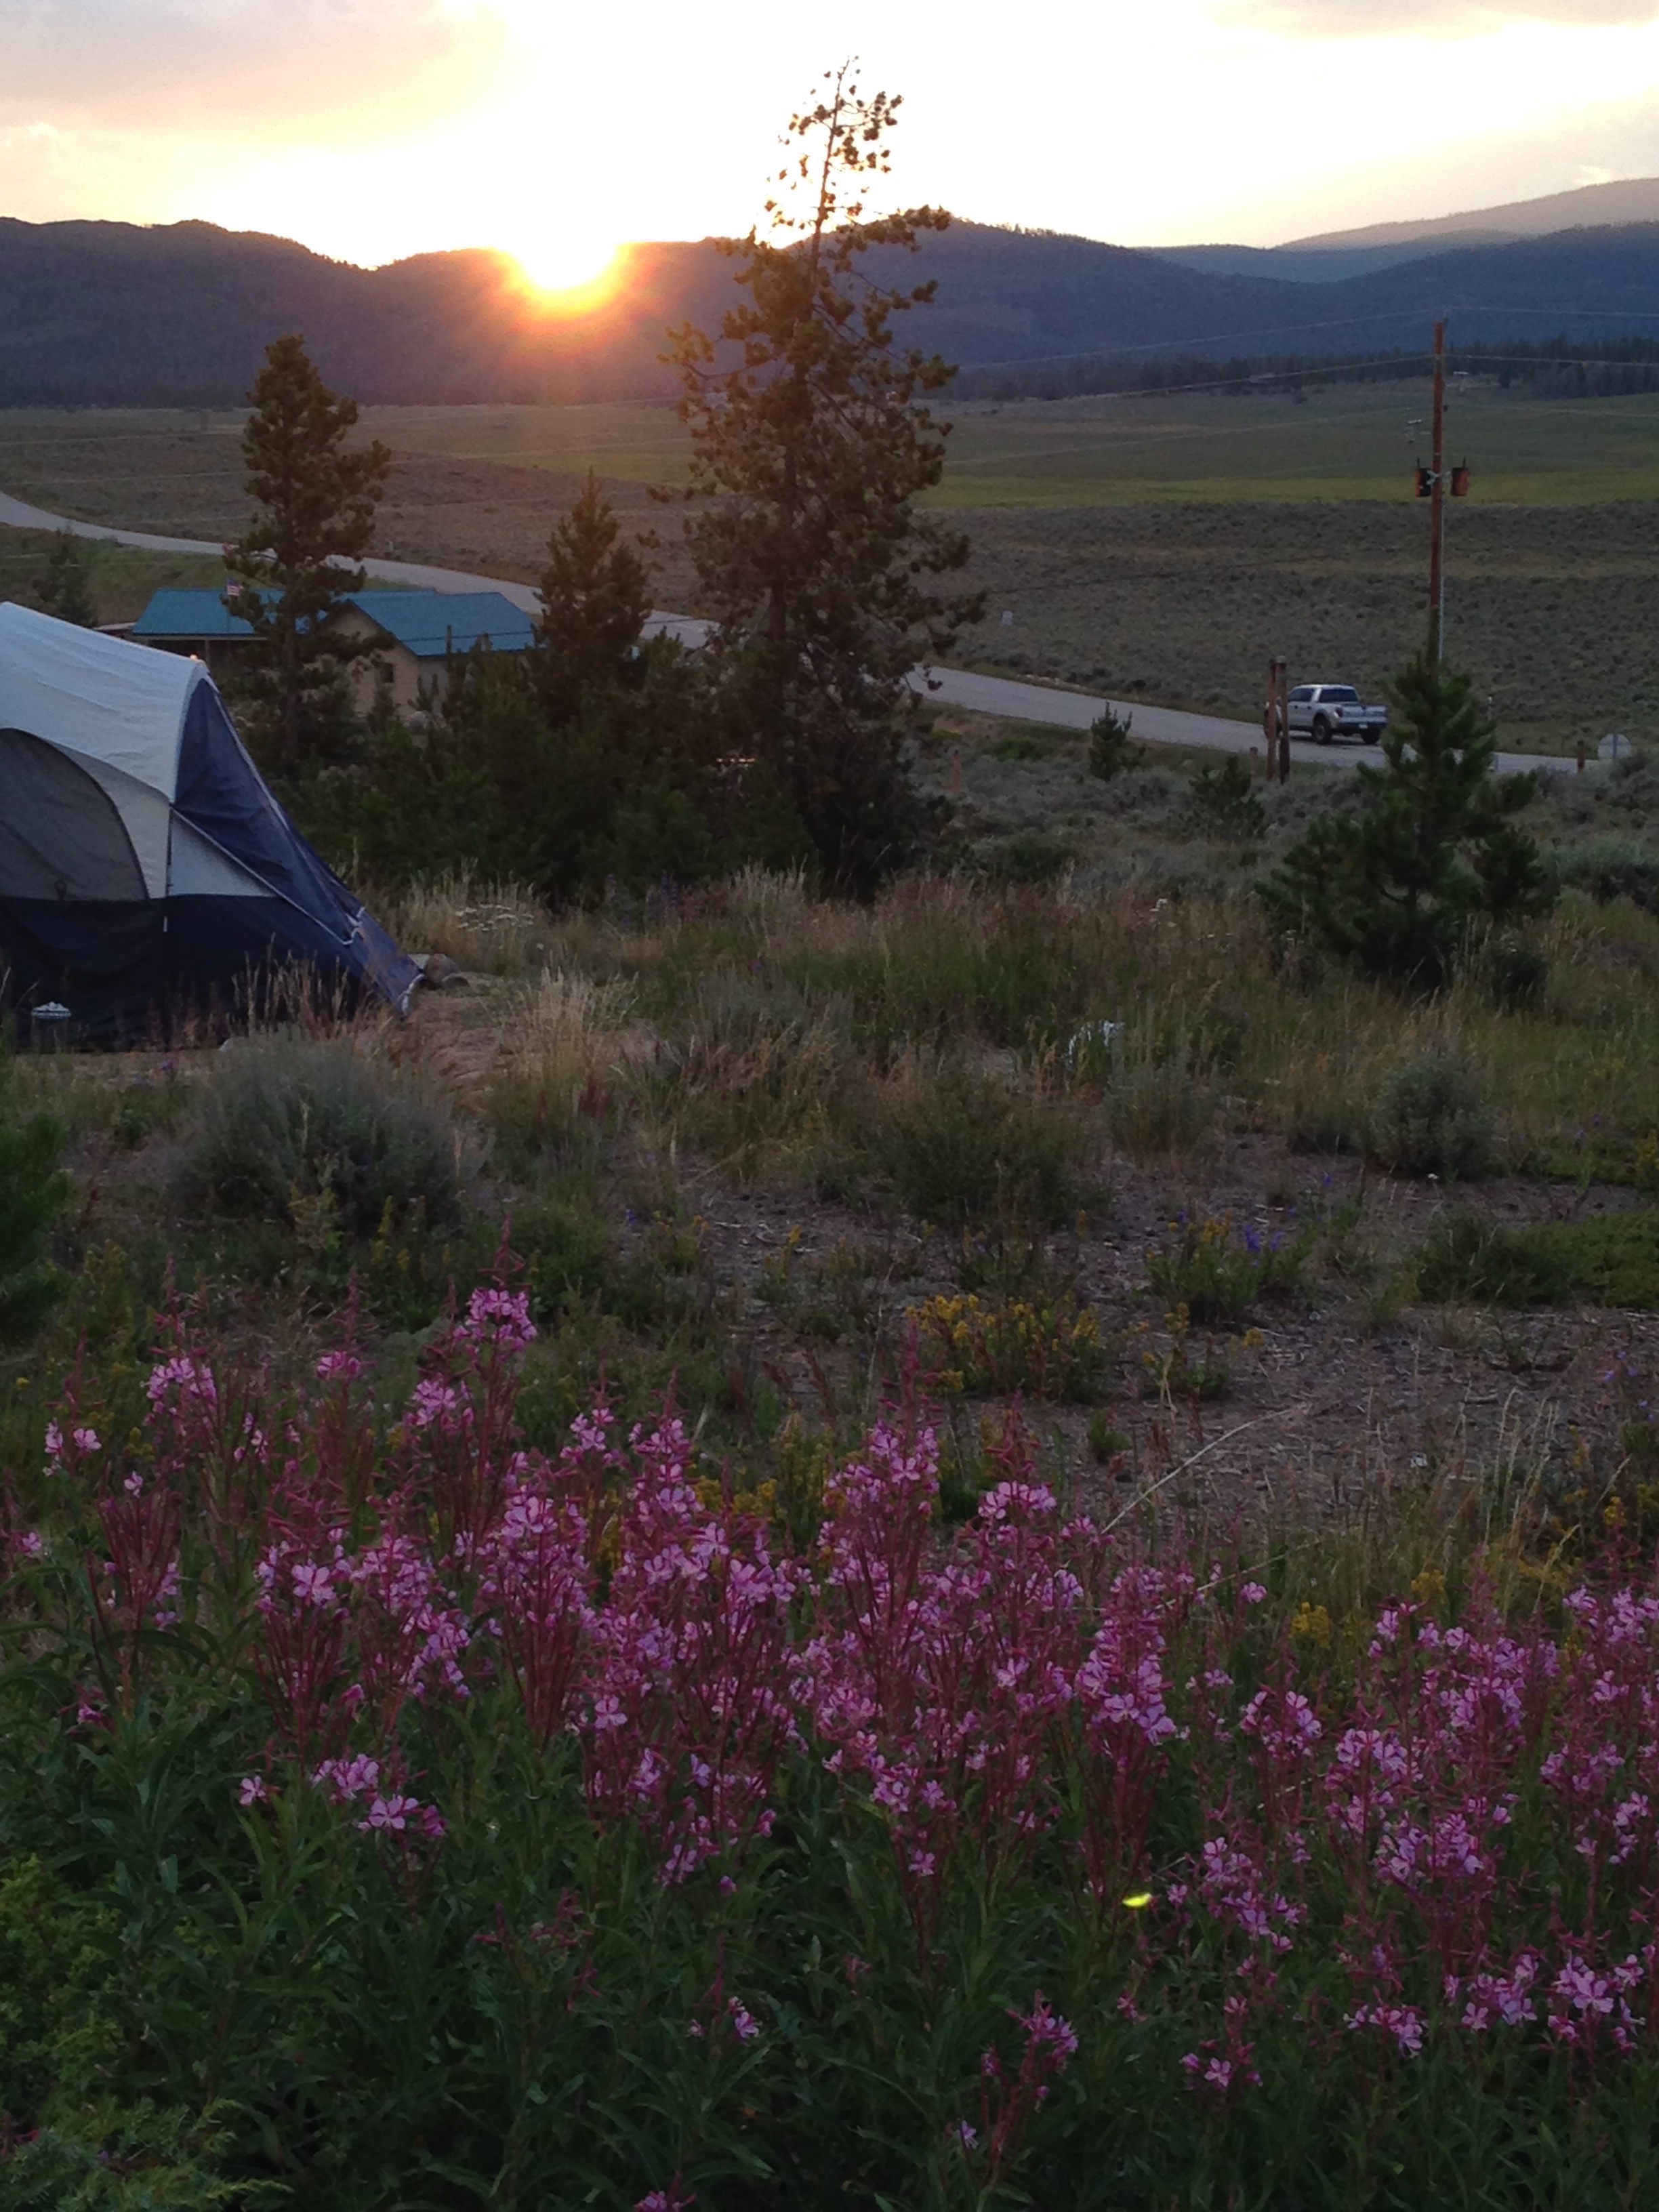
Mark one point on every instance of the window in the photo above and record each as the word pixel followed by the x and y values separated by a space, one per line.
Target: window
pixel 1340 694
pixel 1302 694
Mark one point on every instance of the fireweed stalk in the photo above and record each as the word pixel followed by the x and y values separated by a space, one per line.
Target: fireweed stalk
pixel 1452 1846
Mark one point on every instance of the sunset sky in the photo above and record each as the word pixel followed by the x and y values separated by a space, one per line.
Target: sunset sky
pixel 373 128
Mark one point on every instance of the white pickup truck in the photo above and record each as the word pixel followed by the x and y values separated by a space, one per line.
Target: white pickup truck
pixel 1324 711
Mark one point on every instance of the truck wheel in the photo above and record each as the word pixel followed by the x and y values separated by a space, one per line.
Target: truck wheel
pixel 1321 730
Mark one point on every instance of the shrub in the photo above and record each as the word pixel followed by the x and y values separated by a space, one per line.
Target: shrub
pixel 1217 1274
pixel 287 1121
pixel 1030 857
pixel 960 1146
pixel 1049 1348
pixel 1515 975
pixel 33 1194
pixel 1222 802
pixel 1611 868
pixel 1611 1260
pixel 1431 1120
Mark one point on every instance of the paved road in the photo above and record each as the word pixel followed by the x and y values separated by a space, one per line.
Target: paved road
pixel 949 687
pixel 1159 725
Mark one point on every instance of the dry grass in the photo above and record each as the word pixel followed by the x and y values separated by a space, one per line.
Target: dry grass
pixel 497 928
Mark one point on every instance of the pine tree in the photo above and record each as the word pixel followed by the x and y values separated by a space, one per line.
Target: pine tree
pixel 1435 860
pixel 64 586
pixel 809 452
pixel 316 498
pixel 595 595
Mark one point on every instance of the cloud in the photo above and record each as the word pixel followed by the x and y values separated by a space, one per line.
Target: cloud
pixel 232 67
pixel 1443 18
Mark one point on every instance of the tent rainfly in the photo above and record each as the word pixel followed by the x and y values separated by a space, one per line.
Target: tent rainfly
pixel 145 869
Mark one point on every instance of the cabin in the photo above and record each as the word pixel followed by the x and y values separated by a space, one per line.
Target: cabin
pixel 409 635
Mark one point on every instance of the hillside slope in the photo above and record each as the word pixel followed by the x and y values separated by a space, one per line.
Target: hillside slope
pixel 111 314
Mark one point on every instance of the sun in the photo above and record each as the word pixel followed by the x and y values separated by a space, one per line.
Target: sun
pixel 570 268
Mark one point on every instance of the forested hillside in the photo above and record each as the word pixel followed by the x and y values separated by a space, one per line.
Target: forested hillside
pixel 108 314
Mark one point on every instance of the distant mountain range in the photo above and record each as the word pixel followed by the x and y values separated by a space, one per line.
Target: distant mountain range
pixel 1336 253
pixel 113 314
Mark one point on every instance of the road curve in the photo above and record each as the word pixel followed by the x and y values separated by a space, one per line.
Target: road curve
pixel 947 687
pixel 1159 725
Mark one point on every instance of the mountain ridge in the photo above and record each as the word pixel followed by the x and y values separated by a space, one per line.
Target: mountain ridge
pixel 111 314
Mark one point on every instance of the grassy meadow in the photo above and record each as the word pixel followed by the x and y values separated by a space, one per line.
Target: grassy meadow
pixel 1161 549
pixel 1339 444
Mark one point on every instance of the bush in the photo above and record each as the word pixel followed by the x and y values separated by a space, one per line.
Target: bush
pixel 1610 1261
pixel 959 1146
pixel 1611 868
pixel 33 1194
pixel 1030 857
pixel 1223 803
pixel 1431 1120
pixel 1046 1347
pixel 1217 1276
pixel 287 1121
pixel 1515 975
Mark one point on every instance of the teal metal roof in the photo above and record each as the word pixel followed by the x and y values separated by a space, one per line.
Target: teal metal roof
pixel 433 624
pixel 193 614
pixel 429 624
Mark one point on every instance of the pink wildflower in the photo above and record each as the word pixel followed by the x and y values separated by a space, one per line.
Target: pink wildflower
pixel 389 1815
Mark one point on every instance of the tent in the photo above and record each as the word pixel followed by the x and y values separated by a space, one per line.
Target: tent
pixel 145 869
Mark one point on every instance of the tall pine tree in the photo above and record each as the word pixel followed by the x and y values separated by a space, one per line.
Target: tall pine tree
pixel 809 450
pixel 595 595
pixel 315 499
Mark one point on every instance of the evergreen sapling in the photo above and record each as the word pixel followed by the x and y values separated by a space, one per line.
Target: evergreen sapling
pixel 1434 862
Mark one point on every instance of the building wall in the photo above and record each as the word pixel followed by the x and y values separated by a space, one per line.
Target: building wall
pixel 391 670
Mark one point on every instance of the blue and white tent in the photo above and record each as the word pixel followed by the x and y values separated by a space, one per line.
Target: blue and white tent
pixel 145 869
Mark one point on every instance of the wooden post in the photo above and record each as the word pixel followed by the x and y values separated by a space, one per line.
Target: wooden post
pixel 1284 696
pixel 1437 504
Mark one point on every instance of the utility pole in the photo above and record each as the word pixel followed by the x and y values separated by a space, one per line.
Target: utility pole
pixel 1276 721
pixel 1437 504
pixel 1432 484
